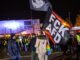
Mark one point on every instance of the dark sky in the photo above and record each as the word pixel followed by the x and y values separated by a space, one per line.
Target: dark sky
pixel 20 9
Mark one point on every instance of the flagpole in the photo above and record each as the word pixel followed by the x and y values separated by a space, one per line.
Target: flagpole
pixel 69 16
pixel 31 20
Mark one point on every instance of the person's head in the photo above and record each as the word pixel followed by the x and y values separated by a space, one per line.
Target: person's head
pixel 39 33
pixel 43 31
pixel 33 35
pixel 12 35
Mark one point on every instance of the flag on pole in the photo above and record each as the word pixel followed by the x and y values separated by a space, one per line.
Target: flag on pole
pixel 57 29
pixel 39 5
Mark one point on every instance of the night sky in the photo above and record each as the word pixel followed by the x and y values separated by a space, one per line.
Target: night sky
pixel 20 9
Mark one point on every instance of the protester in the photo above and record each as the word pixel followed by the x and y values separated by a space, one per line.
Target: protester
pixel 40 45
pixel 26 42
pixel 13 48
pixel 78 45
pixel 33 49
pixel 64 43
pixel 20 38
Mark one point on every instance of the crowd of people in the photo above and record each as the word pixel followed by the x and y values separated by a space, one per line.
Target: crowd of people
pixel 37 44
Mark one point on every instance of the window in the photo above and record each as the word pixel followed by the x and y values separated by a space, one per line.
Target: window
pixel 27 22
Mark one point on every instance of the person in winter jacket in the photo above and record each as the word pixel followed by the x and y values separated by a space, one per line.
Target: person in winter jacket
pixel 13 48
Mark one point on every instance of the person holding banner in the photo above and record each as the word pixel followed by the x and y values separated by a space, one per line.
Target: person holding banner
pixel 40 45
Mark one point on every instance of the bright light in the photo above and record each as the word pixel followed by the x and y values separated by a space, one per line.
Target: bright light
pixel 65 24
pixel 12 25
pixel 24 32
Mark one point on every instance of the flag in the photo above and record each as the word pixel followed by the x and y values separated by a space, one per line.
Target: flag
pixel 40 5
pixel 57 29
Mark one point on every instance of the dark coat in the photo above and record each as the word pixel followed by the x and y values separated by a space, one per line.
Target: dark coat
pixel 13 47
pixel 32 43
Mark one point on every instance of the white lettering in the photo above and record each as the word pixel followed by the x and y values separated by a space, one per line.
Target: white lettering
pixel 57 38
pixel 54 31
pixel 49 28
pixel 57 24
pixel 52 17
pixel 62 30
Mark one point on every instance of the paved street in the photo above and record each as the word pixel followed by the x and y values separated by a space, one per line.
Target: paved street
pixel 24 55
pixel 27 56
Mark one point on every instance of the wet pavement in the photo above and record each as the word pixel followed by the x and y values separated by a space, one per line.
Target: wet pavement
pixel 24 55
pixel 27 56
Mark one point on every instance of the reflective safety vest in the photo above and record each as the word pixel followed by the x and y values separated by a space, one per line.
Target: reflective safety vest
pixel 78 38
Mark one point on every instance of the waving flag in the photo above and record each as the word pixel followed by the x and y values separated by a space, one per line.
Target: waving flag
pixel 40 5
pixel 57 29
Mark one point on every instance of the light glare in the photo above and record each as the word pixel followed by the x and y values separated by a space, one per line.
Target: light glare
pixel 12 25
